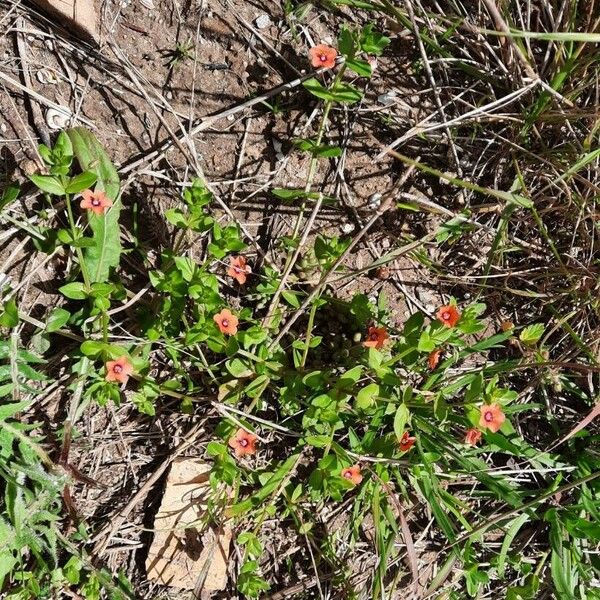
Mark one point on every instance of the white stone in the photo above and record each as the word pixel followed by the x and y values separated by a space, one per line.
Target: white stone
pixel 263 21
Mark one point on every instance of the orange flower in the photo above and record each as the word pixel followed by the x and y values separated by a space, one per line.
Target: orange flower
pixel 448 315
pixel 243 443
pixel 491 417
pixel 227 322
pixel 238 269
pixel 434 358
pixel 472 437
pixel 322 56
pixel 96 201
pixel 352 474
pixel 119 370
pixel 376 337
pixel 406 441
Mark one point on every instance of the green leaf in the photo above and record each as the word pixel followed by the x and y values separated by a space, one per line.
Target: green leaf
pixel 106 252
pixel 346 42
pixel 9 195
pixel 508 539
pixel 316 88
pixel 532 333
pixel 400 420
pixel 74 291
pixel 360 67
pixel 48 184
pixel 344 92
pixel 367 397
pixel 92 348
pixel 83 181
pixel 57 319
pixel 9 317
pixel 371 41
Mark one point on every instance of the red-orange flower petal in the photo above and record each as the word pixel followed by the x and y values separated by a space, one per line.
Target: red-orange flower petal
pixel 406 441
pixel 243 442
pixel 376 337
pixel 96 201
pixel 448 315
pixel 226 322
pixel 118 370
pixel 434 358
pixel 352 474
pixel 472 436
pixel 322 56
pixel 492 417
pixel 239 269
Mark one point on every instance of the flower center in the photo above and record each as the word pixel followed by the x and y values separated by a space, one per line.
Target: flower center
pixel 225 322
pixel 237 269
pixel 243 442
pixel 96 202
pixel 489 416
pixel 348 475
pixel 118 369
pixel 322 57
pixel 446 316
pixel 374 336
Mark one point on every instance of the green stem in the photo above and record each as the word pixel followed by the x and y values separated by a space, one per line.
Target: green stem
pixel 82 265
pixel 309 327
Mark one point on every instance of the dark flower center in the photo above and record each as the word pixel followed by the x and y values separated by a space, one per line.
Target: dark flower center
pixel 322 57
pixel 374 336
pixel 446 316
pixel 489 416
pixel 348 474
pixel 118 369
pixel 243 442
pixel 225 322
pixel 96 202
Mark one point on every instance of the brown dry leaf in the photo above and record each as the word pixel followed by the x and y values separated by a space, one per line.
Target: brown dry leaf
pixel 182 556
pixel 80 13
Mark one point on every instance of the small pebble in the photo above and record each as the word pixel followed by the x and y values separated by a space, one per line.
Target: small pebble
pixel 382 273
pixel 387 98
pixel 169 95
pixel 230 117
pixel 49 44
pixel 3 127
pixel 374 201
pixel 263 21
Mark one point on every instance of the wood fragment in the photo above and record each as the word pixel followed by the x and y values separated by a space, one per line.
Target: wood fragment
pixel 184 554
pixel 77 15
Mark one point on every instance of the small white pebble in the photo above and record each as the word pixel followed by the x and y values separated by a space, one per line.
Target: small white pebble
pixel 230 117
pixel 169 95
pixel 263 21
pixel 49 44
pixel 374 201
pixel 387 98
pixel 3 127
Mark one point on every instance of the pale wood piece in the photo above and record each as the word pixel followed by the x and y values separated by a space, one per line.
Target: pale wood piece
pixel 66 13
pixel 180 555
